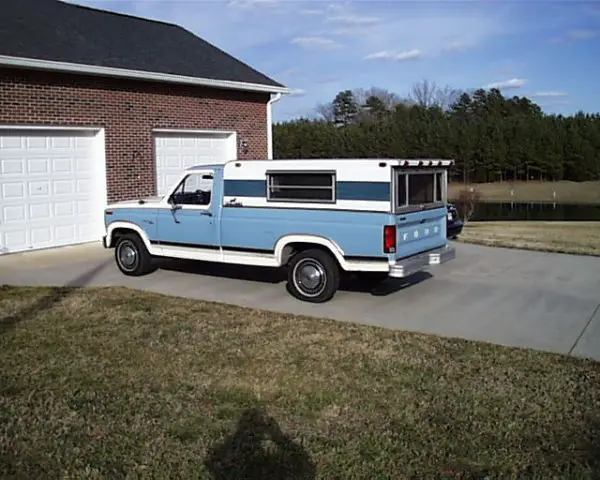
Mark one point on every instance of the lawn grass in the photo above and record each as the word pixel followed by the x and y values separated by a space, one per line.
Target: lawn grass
pixel 580 238
pixel 109 383
pixel 533 191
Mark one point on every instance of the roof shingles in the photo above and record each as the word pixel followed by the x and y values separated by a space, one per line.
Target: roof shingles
pixel 56 31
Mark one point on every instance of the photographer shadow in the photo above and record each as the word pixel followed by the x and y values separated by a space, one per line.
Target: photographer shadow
pixel 258 449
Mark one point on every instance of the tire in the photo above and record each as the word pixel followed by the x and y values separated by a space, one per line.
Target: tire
pixel 303 270
pixel 131 256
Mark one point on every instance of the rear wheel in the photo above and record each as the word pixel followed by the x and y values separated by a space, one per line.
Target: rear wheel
pixel 131 255
pixel 313 276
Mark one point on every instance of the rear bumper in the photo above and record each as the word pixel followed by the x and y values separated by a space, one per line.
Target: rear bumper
pixel 411 265
pixel 104 241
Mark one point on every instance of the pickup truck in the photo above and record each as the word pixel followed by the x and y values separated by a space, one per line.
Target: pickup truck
pixel 318 218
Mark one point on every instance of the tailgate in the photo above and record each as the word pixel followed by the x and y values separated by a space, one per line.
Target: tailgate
pixel 420 231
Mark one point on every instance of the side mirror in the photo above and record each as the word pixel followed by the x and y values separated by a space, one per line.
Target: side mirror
pixel 174 206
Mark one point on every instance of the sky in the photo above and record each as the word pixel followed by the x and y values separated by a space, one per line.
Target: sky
pixel 546 50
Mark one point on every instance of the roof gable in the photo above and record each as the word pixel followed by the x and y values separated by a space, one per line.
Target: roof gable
pixel 52 30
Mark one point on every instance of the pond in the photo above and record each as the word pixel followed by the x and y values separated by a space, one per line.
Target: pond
pixel 534 211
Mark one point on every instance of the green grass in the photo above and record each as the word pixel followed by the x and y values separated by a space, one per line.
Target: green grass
pixel 109 383
pixel 578 238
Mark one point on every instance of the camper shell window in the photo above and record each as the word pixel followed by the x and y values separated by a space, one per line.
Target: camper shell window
pixel 419 190
pixel 301 186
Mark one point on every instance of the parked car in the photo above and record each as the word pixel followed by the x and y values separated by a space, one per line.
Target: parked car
pixel 454 224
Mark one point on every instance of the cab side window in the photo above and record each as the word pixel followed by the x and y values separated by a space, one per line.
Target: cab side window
pixel 195 189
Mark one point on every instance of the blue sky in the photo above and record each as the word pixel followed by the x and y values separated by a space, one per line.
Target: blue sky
pixel 548 50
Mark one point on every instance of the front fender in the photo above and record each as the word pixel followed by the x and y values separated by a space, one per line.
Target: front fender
pixel 120 225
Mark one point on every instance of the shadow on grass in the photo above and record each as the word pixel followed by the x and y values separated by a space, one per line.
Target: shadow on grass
pixel 258 449
pixel 47 302
pixel 276 276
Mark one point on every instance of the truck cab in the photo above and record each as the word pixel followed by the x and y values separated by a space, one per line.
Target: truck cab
pixel 317 218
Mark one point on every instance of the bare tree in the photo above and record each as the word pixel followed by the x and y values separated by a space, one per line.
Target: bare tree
pixel 325 110
pixel 388 99
pixel 423 93
pixel 468 199
pixel 428 94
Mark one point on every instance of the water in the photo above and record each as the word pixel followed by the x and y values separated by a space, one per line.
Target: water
pixel 534 211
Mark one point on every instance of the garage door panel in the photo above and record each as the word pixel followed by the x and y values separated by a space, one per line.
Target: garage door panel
pixel 13 191
pixel 63 187
pixel 38 166
pixel 12 213
pixel 176 152
pixel 49 191
pixel 39 212
pixel 11 143
pixel 12 166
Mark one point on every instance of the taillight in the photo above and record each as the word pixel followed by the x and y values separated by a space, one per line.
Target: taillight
pixel 389 239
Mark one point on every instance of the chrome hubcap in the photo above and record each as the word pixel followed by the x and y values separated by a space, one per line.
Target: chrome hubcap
pixel 309 277
pixel 127 256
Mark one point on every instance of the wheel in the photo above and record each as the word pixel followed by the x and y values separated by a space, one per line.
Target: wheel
pixel 131 255
pixel 371 278
pixel 313 276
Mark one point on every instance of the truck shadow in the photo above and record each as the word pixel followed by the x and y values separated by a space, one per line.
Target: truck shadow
pixel 276 276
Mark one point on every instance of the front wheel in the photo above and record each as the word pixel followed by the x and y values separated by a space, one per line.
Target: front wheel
pixel 131 256
pixel 313 276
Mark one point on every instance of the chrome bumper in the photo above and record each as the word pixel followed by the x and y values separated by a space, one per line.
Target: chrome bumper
pixel 410 265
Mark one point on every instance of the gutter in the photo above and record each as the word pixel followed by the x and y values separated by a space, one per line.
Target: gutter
pixel 270 103
pixel 36 64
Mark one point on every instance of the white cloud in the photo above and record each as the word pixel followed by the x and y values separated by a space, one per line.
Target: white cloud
pixel 297 92
pixel 354 20
pixel 321 43
pixel 582 34
pixel 457 46
pixel 311 11
pixel 549 94
pixel 250 4
pixel 398 57
pixel 508 84
pixel 329 79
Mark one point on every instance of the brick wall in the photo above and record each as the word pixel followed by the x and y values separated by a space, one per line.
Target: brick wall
pixel 128 111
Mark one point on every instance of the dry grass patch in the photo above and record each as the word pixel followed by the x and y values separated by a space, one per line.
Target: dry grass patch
pixel 114 383
pixel 581 238
pixel 534 191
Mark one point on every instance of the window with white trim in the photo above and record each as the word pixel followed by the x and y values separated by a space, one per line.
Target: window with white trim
pixel 301 187
pixel 419 190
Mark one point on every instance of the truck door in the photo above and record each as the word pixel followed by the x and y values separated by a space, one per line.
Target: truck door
pixel 191 221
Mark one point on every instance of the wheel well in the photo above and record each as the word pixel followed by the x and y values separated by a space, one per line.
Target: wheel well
pixel 119 232
pixel 291 249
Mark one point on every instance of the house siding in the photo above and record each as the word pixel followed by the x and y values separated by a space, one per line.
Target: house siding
pixel 129 110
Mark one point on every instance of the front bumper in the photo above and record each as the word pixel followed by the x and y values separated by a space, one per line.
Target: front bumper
pixel 104 241
pixel 411 265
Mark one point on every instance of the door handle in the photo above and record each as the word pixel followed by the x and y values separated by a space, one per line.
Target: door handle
pixel 208 214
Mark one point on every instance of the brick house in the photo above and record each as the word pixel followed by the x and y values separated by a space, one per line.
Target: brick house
pixel 97 107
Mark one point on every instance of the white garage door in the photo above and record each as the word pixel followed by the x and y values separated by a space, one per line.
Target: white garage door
pixel 177 151
pixel 52 189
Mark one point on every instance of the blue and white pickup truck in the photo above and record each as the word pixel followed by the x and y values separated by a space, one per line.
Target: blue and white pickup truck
pixel 318 218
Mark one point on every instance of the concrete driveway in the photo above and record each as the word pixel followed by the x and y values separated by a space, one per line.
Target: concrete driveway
pixel 510 297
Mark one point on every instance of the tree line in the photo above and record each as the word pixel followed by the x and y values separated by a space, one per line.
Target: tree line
pixel 491 137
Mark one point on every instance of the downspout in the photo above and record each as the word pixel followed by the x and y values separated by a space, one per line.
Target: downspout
pixel 276 98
